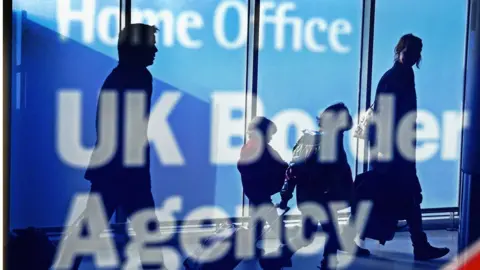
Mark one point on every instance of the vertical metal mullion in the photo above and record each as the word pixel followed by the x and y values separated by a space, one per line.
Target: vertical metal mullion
pixel 365 76
pixel 256 34
pixel 7 103
pixel 120 17
pixel 465 64
pixel 247 93
pixel 251 81
pixel 120 216
pixel 247 71
pixel 128 12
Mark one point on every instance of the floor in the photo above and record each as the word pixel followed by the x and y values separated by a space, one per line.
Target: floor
pixel 395 255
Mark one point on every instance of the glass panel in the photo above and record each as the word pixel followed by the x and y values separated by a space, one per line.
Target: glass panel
pixel 309 59
pixel 72 45
pixel 58 48
pixel 439 84
pixel 202 54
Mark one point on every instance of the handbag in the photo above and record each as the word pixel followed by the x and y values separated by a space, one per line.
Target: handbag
pixel 360 131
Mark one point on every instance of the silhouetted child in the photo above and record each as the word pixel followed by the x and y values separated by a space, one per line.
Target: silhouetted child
pixel 321 174
pixel 262 169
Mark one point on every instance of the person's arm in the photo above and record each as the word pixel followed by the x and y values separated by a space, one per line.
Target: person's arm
pixel 246 165
pixel 276 168
pixel 372 131
pixel 382 89
pixel 276 164
pixel 289 185
pixel 290 182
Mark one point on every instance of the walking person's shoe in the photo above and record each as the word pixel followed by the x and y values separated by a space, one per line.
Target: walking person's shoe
pixel 276 263
pixel 423 251
pixel 428 252
pixel 352 247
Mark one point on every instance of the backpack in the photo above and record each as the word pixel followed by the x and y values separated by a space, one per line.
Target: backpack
pixel 321 181
pixel 306 151
pixel 305 166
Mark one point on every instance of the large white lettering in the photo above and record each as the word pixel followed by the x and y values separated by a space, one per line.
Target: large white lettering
pixel 452 132
pixel 178 27
pixel 322 26
pixel 163 19
pixel 145 235
pixel 73 245
pixel 223 127
pixel 186 21
pixel 219 23
pixel 159 130
pixel 69 130
pixel 108 17
pixel 65 16
pixel 281 20
pixel 429 131
pixel 192 244
pixel 339 27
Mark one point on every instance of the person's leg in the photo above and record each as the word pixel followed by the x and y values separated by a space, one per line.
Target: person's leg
pixel 414 221
pixel 271 217
pixel 332 244
pixel 348 235
pixel 296 243
pixel 422 249
pixel 259 228
pixel 275 221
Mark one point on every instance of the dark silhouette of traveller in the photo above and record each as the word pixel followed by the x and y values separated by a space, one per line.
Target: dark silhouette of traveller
pixel 399 83
pixel 321 181
pixel 262 169
pixel 121 185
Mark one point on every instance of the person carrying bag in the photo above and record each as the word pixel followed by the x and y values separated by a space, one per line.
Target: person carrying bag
pixel 393 184
pixel 320 180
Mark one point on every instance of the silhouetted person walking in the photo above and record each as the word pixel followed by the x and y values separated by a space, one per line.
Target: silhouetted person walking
pixel 321 180
pixel 399 83
pixel 118 183
pixel 262 170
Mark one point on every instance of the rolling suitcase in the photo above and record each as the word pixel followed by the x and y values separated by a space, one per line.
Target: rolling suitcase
pixel 382 223
pixel 227 232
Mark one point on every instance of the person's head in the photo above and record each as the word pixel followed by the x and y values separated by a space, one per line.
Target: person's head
pixel 261 126
pixel 409 50
pixel 332 116
pixel 136 45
